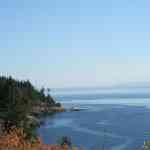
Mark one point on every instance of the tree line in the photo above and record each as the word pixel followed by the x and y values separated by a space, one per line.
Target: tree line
pixel 17 98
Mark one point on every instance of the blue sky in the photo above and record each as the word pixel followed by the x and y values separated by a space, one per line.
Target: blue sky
pixel 64 43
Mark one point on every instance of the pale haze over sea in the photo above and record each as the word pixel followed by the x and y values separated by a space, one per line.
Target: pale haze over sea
pixel 75 43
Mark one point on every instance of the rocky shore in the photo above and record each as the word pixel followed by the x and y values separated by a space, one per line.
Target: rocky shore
pixel 47 109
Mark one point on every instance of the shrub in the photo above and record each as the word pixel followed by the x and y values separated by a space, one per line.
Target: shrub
pixel 16 140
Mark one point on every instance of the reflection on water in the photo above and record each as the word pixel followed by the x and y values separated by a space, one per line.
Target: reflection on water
pixel 114 124
pixel 116 127
pixel 62 122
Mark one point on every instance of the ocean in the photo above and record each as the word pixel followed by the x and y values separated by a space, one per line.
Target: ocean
pixel 110 118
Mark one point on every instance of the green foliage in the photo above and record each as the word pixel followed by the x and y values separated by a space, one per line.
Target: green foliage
pixel 17 98
pixel 147 145
pixel 65 140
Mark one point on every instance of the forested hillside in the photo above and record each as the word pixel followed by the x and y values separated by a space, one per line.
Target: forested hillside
pixel 19 99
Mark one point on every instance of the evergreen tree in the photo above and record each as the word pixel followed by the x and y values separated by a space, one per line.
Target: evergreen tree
pixel 17 99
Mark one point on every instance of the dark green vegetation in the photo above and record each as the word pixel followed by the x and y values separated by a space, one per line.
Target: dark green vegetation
pixel 19 100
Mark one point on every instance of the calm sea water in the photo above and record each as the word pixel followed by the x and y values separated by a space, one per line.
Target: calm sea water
pixel 111 119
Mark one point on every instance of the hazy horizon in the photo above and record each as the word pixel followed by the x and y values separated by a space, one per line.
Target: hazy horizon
pixel 80 43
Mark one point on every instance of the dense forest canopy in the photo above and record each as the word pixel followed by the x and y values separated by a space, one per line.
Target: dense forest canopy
pixel 17 99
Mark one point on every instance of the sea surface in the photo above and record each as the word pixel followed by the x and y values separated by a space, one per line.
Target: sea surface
pixel 110 119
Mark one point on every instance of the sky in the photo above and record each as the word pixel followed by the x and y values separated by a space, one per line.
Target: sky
pixel 64 43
